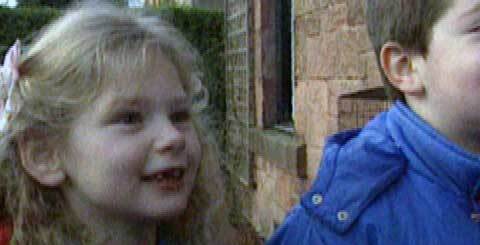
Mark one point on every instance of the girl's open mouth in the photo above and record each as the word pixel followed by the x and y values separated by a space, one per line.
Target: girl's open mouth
pixel 170 179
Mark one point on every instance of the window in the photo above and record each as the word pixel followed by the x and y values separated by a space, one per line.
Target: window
pixel 284 54
pixel 276 35
pixel 356 110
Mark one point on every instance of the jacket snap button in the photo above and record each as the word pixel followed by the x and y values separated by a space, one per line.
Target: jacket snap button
pixel 317 199
pixel 475 217
pixel 342 215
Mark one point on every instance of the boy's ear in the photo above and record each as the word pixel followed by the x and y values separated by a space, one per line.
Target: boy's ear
pixel 400 70
pixel 39 157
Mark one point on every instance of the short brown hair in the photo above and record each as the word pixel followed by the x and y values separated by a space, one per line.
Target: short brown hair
pixel 407 22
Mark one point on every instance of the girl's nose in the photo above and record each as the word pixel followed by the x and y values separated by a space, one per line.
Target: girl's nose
pixel 170 141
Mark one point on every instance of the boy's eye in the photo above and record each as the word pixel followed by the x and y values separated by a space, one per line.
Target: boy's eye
pixel 129 117
pixel 180 116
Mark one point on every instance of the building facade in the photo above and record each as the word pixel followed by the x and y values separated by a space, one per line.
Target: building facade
pixel 297 71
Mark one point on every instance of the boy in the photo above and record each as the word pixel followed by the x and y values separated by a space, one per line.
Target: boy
pixel 411 175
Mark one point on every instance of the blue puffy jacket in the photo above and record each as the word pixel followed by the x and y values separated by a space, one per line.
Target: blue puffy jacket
pixel 396 181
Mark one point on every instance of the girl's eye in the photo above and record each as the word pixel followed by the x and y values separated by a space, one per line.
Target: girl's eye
pixel 180 116
pixel 130 117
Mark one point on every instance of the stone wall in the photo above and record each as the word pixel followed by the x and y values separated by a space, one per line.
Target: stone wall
pixel 334 62
pixel 337 86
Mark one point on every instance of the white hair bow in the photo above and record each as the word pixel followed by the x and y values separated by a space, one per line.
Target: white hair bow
pixel 9 75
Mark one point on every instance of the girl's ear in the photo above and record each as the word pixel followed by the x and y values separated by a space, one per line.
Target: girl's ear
pixel 39 158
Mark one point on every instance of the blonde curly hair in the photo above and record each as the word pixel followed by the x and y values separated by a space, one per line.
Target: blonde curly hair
pixel 64 70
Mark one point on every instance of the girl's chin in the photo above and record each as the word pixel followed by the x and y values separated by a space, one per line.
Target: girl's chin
pixel 168 205
pixel 166 214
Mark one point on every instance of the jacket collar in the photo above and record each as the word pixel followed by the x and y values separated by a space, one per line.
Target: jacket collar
pixel 432 155
pixel 358 165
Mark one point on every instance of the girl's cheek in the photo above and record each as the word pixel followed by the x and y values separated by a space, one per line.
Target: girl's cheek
pixel 129 154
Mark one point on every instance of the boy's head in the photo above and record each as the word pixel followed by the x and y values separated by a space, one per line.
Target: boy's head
pixel 429 52
pixel 406 22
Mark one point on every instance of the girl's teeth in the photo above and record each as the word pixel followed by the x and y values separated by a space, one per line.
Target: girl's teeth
pixel 174 174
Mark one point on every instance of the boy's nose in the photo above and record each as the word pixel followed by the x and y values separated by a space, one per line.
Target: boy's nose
pixel 170 141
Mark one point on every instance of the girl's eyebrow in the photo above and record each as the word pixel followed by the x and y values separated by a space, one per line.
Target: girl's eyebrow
pixel 175 102
pixel 127 101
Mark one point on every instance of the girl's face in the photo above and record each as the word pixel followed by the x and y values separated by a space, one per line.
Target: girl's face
pixel 135 152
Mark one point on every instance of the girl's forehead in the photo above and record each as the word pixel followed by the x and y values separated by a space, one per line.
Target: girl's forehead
pixel 138 60
pixel 154 78
pixel 152 86
pixel 142 97
pixel 146 89
pixel 146 74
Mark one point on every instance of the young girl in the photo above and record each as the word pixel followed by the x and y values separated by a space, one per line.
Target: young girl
pixel 103 137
